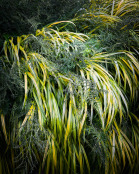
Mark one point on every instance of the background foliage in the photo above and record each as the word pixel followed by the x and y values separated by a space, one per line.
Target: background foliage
pixel 25 16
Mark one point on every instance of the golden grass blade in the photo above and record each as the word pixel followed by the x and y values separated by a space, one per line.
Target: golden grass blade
pixel 4 128
pixel 83 119
pixel 26 89
pixel 54 153
pixel 28 116
pixel 81 160
pixel 68 123
pixel 59 22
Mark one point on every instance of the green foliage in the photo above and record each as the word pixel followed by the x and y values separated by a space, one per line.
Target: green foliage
pixel 111 19
pixel 65 96
pixel 25 16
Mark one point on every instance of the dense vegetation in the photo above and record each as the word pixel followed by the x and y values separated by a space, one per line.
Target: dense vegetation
pixel 69 89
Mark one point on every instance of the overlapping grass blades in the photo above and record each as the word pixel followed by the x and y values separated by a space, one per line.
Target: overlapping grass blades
pixel 56 110
pixel 72 113
pixel 100 15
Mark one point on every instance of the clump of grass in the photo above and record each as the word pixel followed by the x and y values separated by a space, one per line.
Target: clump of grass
pixel 67 111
